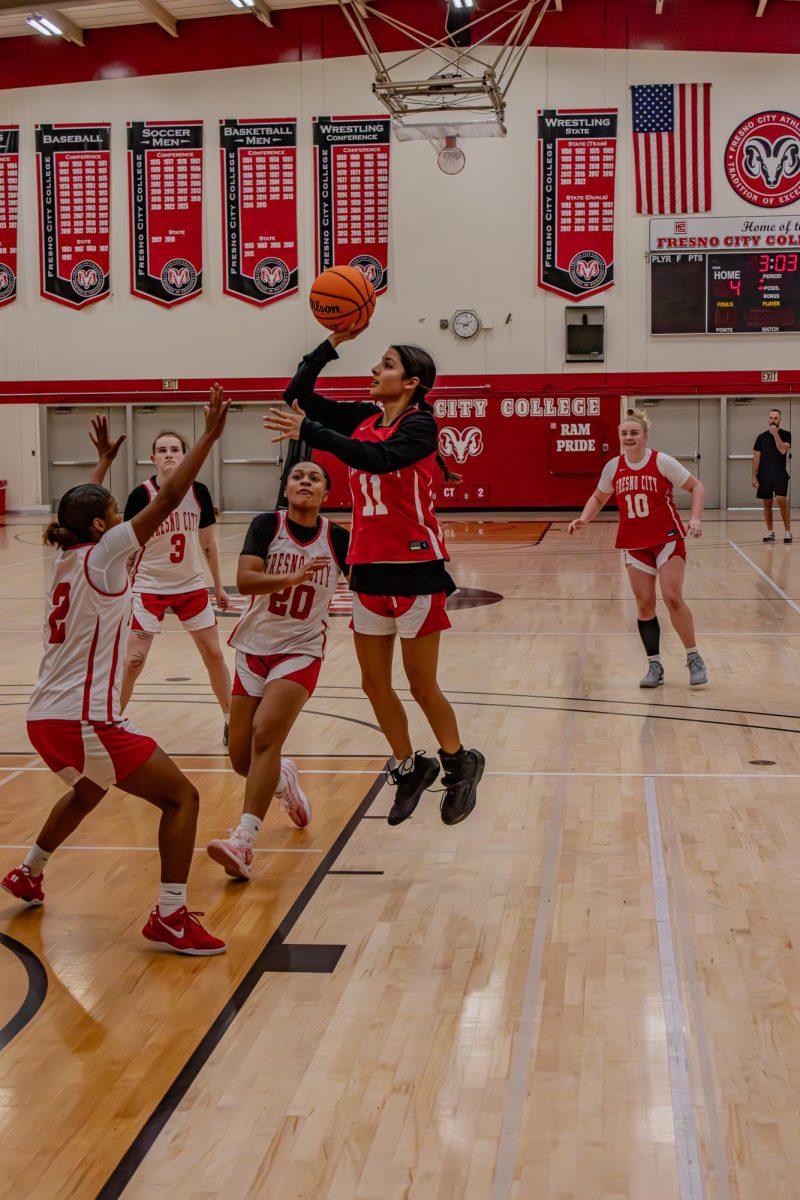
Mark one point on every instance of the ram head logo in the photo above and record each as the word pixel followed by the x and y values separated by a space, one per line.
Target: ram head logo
pixel 87 279
pixel 587 268
pixel 460 444
pixel 5 281
pixel 771 161
pixel 369 272
pixel 178 276
pixel 271 276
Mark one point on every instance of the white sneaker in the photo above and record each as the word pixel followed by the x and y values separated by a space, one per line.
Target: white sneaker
pixel 232 854
pixel 294 801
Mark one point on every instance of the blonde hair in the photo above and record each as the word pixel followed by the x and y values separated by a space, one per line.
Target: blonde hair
pixel 640 416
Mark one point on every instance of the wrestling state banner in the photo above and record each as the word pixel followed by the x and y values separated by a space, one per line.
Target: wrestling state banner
pixel 165 184
pixel 577 160
pixel 73 166
pixel 259 205
pixel 351 195
pixel 9 175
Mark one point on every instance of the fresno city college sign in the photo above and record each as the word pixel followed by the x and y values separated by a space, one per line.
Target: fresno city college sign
pixel 762 159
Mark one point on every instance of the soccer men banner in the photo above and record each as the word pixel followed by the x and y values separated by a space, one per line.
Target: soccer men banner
pixel 73 173
pixel 351 173
pixel 165 181
pixel 577 157
pixel 259 199
pixel 9 171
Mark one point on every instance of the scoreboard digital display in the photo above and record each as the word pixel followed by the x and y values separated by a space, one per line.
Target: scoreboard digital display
pixel 753 292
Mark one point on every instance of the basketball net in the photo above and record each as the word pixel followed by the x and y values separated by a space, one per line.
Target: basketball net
pixel 446 136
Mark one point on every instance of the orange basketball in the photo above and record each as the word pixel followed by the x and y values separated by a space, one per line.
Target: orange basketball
pixel 341 297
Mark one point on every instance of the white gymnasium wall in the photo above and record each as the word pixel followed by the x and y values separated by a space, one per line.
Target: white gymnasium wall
pixel 463 241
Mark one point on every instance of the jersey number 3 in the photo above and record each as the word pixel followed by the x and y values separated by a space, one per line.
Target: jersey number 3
pixel 178 543
pixel 637 505
pixel 58 616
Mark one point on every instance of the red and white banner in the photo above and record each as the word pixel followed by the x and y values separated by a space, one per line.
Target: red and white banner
pixel 259 205
pixel 577 161
pixel 165 183
pixel 73 176
pixel 9 175
pixel 351 195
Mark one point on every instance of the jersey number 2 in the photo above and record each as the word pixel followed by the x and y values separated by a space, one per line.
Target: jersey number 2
pixel 371 488
pixel 637 505
pixel 178 543
pixel 58 616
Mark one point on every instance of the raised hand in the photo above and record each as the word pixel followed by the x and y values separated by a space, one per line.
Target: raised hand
pixel 346 335
pixel 216 411
pixel 285 423
pixel 101 440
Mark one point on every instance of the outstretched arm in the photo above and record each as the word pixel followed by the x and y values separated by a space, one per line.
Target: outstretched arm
pixel 106 449
pixel 342 416
pixel 414 438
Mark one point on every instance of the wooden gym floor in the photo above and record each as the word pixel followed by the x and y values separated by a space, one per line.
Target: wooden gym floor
pixel 588 990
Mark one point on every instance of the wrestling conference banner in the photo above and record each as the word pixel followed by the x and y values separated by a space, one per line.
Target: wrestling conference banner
pixel 577 162
pixel 9 176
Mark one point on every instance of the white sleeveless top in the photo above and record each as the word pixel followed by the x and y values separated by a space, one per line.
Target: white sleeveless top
pixel 293 620
pixel 171 562
pixel 85 629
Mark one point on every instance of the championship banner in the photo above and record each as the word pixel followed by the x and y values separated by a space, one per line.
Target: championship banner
pixel 73 168
pixel 577 155
pixel 9 174
pixel 351 196
pixel 165 184
pixel 259 204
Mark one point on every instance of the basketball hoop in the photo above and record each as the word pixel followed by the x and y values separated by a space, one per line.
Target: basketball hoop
pixel 446 137
pixel 451 159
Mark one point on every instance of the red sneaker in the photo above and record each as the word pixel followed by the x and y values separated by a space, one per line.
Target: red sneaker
pixel 23 885
pixel 181 931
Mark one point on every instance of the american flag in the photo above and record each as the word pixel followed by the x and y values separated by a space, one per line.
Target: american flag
pixel 671 146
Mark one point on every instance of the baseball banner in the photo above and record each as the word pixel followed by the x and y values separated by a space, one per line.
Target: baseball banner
pixel 577 158
pixel 165 184
pixel 73 176
pixel 351 195
pixel 259 205
pixel 9 174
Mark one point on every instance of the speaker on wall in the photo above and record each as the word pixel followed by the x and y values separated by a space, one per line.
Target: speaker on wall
pixel 585 334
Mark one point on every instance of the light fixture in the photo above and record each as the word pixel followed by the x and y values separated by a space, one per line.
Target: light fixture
pixel 243 3
pixel 43 26
pixel 56 25
pixel 462 3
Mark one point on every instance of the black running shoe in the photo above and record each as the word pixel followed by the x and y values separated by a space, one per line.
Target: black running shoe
pixel 410 785
pixel 462 774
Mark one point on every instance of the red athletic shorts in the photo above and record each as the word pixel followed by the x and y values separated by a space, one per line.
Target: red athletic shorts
pixel 409 616
pixel 104 753
pixel 193 610
pixel 255 671
pixel 652 558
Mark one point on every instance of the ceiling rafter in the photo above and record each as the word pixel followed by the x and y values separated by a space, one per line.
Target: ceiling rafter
pixel 762 4
pixel 161 15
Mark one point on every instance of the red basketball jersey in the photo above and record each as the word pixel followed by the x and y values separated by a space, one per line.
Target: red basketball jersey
pixel 393 514
pixel 647 512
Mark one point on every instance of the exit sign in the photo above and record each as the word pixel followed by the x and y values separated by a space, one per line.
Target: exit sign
pixel 769 376
pixel 169 385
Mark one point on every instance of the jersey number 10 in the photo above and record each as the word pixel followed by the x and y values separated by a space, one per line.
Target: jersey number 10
pixel 637 505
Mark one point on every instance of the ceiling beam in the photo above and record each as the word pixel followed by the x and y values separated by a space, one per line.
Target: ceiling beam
pixel 70 32
pixel 161 16
pixel 263 12
pixel 659 7
pixel 762 4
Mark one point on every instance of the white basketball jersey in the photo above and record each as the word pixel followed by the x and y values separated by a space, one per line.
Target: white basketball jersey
pixel 171 562
pixel 84 643
pixel 293 620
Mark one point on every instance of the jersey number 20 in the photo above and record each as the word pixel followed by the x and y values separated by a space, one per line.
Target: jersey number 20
pixel 637 505
pixel 58 616
pixel 292 602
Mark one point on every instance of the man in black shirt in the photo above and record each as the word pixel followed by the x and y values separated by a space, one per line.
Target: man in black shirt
pixel 770 473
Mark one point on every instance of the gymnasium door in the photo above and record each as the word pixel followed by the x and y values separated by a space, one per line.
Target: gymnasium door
pixel 747 417
pixel 70 456
pixel 250 468
pixel 148 420
pixel 688 428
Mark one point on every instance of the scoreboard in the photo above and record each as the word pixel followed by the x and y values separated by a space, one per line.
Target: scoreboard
pixel 711 275
pixel 724 292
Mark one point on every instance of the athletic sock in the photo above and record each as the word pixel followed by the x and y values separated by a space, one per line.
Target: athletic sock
pixel 656 658
pixel 36 859
pixel 650 633
pixel 171 897
pixel 691 650
pixel 249 828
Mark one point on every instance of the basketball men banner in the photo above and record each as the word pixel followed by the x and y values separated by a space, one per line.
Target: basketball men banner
pixel 9 172
pixel 259 193
pixel 577 160
pixel 351 174
pixel 73 171
pixel 165 181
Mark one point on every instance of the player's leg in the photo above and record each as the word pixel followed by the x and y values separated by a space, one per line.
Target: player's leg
pixel 240 744
pixel 136 652
pixel 207 642
pixel 770 537
pixel 642 577
pixel 160 782
pixel 463 768
pixel 670 578
pixel 783 507
pixel 273 718
pixel 375 654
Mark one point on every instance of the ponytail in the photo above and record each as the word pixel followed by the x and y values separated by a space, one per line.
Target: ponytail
pixel 59 535
pixel 418 362
pixel 78 509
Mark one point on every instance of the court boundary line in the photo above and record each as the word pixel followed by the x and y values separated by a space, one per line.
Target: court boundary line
pixel 154 1125
pixel 37 988
pixel 767 578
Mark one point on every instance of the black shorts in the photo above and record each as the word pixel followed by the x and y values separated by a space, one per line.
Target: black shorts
pixel 777 486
